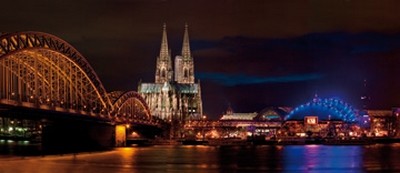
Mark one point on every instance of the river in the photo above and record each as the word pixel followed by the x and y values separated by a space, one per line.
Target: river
pixel 193 159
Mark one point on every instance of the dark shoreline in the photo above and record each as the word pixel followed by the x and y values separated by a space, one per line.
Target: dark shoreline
pixel 300 141
pixel 35 149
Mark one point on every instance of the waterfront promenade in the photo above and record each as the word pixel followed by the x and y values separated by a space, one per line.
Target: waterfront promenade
pixel 279 141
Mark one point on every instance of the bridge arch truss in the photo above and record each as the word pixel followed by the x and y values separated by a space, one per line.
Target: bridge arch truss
pixel 130 106
pixel 41 70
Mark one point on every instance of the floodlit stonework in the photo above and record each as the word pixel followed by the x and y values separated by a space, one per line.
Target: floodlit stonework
pixel 174 96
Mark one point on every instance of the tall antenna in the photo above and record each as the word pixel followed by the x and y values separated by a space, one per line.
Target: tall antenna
pixel 364 97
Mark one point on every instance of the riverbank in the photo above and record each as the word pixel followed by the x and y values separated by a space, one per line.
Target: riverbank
pixel 287 141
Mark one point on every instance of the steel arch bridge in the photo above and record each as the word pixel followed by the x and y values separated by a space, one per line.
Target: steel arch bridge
pixel 130 106
pixel 42 71
pixel 325 109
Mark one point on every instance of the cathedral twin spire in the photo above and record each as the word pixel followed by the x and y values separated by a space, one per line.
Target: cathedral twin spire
pixel 184 67
pixel 186 46
pixel 164 52
pixel 164 65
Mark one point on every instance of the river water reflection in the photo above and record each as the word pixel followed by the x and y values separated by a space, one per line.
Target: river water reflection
pixel 182 159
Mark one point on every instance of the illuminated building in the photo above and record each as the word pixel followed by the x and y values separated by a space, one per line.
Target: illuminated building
pixel 383 122
pixel 265 123
pixel 272 114
pixel 175 99
pixel 19 129
pixel 232 116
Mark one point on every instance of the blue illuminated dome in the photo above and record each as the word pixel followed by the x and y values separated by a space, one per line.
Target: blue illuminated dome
pixel 274 114
pixel 325 109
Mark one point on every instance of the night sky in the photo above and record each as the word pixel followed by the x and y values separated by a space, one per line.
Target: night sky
pixel 249 54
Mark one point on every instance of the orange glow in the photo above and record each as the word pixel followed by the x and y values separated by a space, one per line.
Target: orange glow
pixel 134 135
pixel 120 135
pixel 311 119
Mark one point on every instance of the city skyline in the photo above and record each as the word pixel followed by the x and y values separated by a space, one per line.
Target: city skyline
pixel 272 53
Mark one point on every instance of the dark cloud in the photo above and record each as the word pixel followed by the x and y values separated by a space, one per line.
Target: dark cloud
pixel 288 71
pixel 243 79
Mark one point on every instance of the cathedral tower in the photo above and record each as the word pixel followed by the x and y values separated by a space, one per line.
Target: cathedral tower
pixel 175 99
pixel 184 66
pixel 164 65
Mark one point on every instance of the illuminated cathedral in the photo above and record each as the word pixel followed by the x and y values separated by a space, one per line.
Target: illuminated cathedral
pixel 174 96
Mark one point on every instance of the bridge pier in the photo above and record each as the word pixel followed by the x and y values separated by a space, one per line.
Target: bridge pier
pixel 120 135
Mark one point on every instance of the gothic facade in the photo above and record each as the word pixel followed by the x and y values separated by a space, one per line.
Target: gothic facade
pixel 174 96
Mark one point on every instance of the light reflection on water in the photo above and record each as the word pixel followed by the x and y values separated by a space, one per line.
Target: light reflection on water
pixel 308 158
pixel 382 157
pixel 182 159
pixel 318 158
